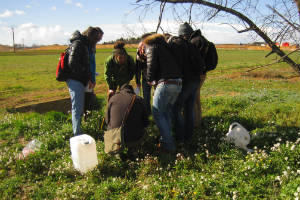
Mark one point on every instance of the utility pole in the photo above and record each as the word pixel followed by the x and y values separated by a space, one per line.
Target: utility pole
pixel 13 34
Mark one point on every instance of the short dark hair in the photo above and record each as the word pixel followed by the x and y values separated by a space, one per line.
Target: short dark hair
pixel 119 48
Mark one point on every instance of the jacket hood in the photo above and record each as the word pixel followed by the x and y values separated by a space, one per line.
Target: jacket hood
pixel 196 33
pixel 155 39
pixel 127 88
pixel 78 36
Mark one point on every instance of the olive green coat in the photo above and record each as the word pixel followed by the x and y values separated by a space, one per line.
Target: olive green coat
pixel 117 75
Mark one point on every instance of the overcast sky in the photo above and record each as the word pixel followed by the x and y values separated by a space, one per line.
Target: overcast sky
pixel 45 22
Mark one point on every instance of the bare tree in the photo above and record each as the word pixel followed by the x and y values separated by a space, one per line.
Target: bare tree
pixel 276 21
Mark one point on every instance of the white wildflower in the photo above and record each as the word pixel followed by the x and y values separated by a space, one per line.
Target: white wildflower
pixel 145 187
pixel 286 158
pixel 293 147
pixel 234 196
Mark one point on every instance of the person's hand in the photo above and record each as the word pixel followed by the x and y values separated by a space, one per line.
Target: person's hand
pixel 91 84
pixel 151 83
pixel 110 94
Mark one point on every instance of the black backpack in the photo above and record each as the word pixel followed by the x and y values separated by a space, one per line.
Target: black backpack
pixel 62 69
pixel 207 49
pixel 187 54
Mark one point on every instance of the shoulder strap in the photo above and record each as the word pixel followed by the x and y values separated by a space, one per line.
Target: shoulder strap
pixel 128 109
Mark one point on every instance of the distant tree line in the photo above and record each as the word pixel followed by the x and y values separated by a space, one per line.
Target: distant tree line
pixel 131 40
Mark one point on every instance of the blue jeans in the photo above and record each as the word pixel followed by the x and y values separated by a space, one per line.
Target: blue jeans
pixel 147 95
pixel 164 98
pixel 184 125
pixel 77 91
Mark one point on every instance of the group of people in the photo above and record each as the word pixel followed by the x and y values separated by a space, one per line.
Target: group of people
pixel 172 65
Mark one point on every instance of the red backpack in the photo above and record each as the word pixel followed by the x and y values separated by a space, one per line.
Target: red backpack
pixel 63 70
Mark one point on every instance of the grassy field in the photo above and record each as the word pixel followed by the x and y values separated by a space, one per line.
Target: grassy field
pixel 265 101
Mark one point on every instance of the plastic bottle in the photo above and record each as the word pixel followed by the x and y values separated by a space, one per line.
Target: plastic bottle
pixel 31 147
pixel 83 153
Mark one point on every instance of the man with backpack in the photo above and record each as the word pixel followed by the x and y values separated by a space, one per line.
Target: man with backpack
pixel 190 61
pixel 207 51
pixel 82 73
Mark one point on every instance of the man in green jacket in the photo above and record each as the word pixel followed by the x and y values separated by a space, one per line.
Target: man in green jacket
pixel 119 68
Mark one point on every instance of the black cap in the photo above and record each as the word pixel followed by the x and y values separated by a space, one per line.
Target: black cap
pixel 185 29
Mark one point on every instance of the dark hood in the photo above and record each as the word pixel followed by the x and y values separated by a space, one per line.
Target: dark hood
pixel 77 36
pixel 196 33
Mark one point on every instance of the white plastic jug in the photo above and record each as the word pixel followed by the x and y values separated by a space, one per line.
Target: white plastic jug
pixel 83 153
pixel 238 135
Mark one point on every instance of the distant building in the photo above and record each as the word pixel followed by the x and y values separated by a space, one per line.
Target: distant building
pixel 285 44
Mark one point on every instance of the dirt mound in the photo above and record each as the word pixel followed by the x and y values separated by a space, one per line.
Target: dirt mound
pixel 62 105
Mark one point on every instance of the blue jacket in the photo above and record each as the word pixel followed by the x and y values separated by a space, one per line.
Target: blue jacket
pixel 92 53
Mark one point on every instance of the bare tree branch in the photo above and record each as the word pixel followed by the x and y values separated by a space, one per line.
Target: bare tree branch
pixel 190 14
pixel 162 7
pixel 277 61
pixel 251 25
pixel 297 2
pixel 287 21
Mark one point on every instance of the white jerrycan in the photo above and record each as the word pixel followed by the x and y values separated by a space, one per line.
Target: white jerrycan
pixel 83 153
pixel 238 135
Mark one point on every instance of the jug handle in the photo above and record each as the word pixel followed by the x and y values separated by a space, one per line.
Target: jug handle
pixel 237 124
pixel 233 124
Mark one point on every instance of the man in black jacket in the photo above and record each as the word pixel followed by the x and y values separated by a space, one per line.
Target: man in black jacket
pixel 80 75
pixel 163 70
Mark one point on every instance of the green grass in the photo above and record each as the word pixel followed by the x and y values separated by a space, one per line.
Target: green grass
pixel 208 168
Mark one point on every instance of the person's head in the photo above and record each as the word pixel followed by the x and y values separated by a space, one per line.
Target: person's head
pixel 185 30
pixel 94 34
pixel 120 53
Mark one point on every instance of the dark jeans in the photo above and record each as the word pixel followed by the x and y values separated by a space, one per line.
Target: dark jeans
pixel 184 122
pixel 88 101
pixel 147 95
